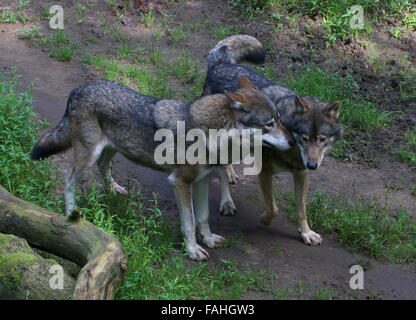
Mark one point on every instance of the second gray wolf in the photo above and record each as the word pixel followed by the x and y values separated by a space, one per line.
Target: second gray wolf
pixel 314 125
pixel 103 118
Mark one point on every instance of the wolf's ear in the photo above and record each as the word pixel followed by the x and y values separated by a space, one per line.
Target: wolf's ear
pixel 237 100
pixel 244 82
pixel 301 105
pixel 332 110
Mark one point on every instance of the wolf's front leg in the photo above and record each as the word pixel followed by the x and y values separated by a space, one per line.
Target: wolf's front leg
pixel 183 194
pixel 70 189
pixel 232 176
pixel 301 181
pixel 201 208
pixel 266 185
pixel 227 206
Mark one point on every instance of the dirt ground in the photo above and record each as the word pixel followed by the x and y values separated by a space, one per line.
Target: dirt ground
pixel 277 248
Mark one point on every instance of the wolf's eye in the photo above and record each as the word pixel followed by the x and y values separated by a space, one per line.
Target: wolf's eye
pixel 322 139
pixel 305 138
pixel 270 124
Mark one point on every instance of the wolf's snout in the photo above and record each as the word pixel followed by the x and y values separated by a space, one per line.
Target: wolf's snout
pixel 312 165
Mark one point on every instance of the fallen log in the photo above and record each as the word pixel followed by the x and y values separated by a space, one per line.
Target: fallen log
pixel 26 275
pixel 101 257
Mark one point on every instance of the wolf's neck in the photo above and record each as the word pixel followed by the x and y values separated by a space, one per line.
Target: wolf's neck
pixel 212 112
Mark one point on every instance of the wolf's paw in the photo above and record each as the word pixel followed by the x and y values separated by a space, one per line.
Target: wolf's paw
pixel 212 241
pixel 116 188
pixel 311 238
pixel 267 218
pixel 197 253
pixel 228 208
pixel 232 176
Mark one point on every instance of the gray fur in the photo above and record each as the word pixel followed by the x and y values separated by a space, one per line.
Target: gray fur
pixel 314 125
pixel 103 118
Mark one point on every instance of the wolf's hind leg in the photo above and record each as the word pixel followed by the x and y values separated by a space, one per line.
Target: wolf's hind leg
pixel 301 181
pixel 201 208
pixel 266 185
pixel 104 165
pixel 183 194
pixel 84 157
pixel 227 206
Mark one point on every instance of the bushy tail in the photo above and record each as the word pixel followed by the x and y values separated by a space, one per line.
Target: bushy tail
pixel 235 49
pixel 54 141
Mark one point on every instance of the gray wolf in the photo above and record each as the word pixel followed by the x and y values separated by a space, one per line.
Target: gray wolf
pixel 103 118
pixel 314 125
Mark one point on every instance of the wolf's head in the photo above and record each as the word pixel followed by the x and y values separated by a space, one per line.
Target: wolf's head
pixel 314 125
pixel 253 109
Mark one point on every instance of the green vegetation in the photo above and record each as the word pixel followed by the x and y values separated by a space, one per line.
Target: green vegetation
pixel 176 34
pixel 157 270
pixel 324 294
pixel 30 33
pixel 60 47
pixel 137 77
pixel 29 180
pixel 148 18
pixel 408 153
pixel 409 19
pixel 80 10
pixel 336 15
pixel 8 16
pixel 364 225
pixel 413 190
pixel 223 32
pixel 150 73
pixel 303 291
pixel 58 42
pixel 407 88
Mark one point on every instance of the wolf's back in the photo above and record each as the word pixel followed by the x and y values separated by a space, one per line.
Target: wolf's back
pixel 235 49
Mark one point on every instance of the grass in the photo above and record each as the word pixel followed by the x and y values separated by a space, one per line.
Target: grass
pixel 8 16
pixel 148 18
pixel 30 33
pixel 357 114
pixel 335 14
pixel 407 88
pixel 364 225
pixel 116 34
pixel 58 42
pixel 409 19
pixel 29 180
pixel 80 11
pixel 223 32
pixel 408 152
pixel 60 47
pixel 413 190
pixel 125 51
pixel 151 79
pixel 176 34
pixel 324 294
pixel 157 269
pixel 137 77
